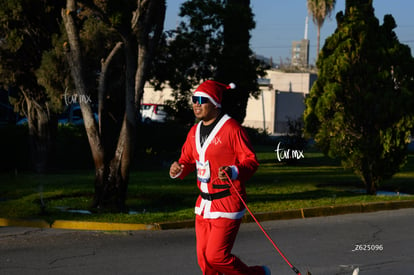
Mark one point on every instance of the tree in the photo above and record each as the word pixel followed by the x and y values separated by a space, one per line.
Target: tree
pixel 320 9
pixel 360 109
pixel 189 53
pixel 138 26
pixel 236 63
pixel 25 34
pixel 212 42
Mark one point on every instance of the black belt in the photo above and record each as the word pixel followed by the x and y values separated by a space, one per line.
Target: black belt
pixel 221 186
pixel 215 196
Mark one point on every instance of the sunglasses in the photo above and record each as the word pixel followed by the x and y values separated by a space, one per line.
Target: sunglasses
pixel 200 100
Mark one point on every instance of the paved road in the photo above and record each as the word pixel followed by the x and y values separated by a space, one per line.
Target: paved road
pixel 321 245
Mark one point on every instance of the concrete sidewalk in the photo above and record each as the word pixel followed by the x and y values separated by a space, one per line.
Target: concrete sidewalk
pixel 278 215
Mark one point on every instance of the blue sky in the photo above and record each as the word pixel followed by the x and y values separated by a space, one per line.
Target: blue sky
pixel 279 22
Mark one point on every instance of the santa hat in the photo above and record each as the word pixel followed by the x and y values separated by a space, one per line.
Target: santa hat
pixel 213 90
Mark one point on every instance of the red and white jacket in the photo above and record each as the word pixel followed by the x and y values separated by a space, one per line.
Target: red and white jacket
pixel 227 145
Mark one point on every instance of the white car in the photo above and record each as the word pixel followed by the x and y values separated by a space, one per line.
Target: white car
pixel 154 113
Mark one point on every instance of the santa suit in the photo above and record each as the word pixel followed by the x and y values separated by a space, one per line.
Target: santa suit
pixel 218 208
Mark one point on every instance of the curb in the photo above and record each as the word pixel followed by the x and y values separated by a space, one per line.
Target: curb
pixel 266 216
pixel 331 210
pixel 24 223
pixel 80 225
pixel 307 213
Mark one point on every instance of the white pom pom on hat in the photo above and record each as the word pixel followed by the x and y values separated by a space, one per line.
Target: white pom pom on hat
pixel 213 90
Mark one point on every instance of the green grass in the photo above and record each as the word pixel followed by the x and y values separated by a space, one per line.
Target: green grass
pixel 154 197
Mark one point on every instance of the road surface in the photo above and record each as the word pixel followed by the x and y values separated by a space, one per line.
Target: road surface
pixel 378 243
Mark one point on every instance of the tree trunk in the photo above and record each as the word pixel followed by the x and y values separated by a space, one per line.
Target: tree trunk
pixel 107 181
pixel 40 134
pixel 112 165
pixel 318 41
pixel 371 186
pixel 74 57
pixel 369 180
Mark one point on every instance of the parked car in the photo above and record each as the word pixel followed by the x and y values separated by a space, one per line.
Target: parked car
pixel 71 115
pixel 22 121
pixel 155 113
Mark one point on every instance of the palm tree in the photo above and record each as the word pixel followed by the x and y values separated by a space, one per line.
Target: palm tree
pixel 319 10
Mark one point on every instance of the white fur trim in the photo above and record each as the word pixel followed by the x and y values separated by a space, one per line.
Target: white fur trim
pixel 215 215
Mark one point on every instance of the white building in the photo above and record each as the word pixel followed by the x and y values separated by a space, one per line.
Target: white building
pixel 282 99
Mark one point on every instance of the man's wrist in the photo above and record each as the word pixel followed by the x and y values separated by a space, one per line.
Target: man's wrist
pixel 234 172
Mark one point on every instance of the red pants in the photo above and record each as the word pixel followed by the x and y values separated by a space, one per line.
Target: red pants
pixel 215 239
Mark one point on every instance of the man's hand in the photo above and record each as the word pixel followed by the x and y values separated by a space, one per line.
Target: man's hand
pixel 221 175
pixel 176 169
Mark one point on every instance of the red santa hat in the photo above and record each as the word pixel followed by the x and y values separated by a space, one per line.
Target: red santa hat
pixel 213 90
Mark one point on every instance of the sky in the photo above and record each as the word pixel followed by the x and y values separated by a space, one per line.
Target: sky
pixel 280 22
